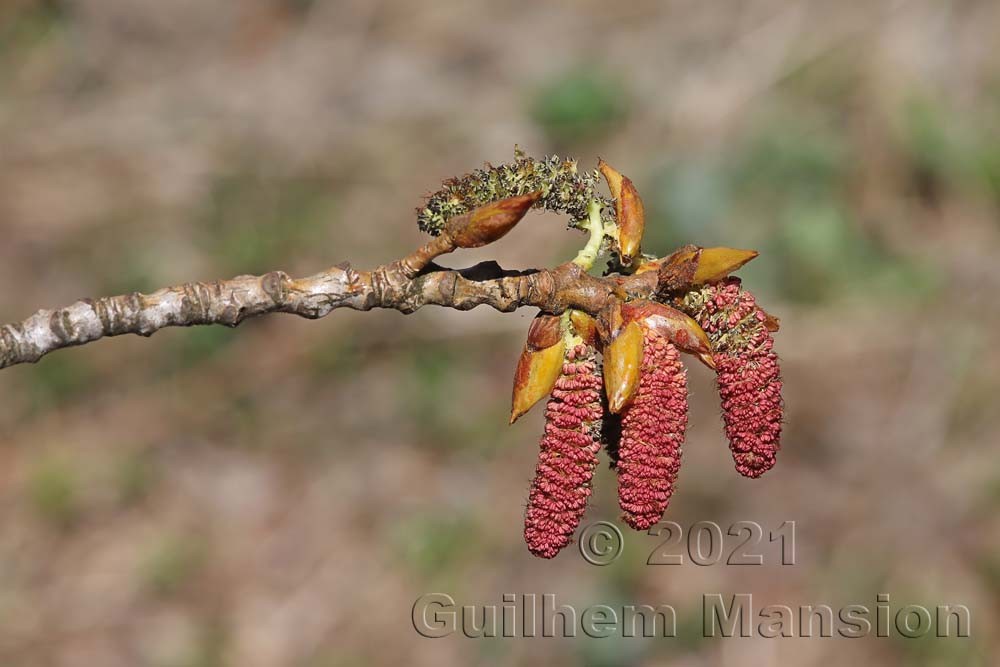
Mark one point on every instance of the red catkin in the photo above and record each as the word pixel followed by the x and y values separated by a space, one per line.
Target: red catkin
pixel 568 456
pixel 747 373
pixel 653 426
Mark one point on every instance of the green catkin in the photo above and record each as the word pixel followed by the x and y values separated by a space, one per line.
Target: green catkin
pixel 564 190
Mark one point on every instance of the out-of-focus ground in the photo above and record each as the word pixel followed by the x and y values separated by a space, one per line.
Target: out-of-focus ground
pixel 281 494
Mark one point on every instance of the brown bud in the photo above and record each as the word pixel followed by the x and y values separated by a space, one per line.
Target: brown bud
pixel 690 266
pixel 714 264
pixel 585 326
pixel 545 331
pixel 629 211
pixel 675 272
pixel 673 325
pixel 488 223
pixel 610 322
pixel 612 176
pixel 622 360
pixel 539 365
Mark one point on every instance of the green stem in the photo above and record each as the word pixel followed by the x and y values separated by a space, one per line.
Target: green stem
pixel 588 254
pixel 569 335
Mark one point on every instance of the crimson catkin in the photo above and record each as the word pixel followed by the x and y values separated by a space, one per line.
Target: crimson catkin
pixel 746 369
pixel 568 455
pixel 652 435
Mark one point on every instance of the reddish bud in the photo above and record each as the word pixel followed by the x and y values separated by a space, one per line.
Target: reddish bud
pixel 609 322
pixel 539 365
pixel 691 266
pixel 622 359
pixel 544 332
pixel 629 211
pixel 567 456
pixel 488 223
pixel 652 435
pixel 678 328
pixel 612 176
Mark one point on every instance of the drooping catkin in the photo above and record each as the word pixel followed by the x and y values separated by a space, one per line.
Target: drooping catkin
pixel 652 435
pixel 567 456
pixel 747 372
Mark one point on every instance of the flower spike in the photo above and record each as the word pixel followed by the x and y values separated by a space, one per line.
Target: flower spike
pixel 747 371
pixel 567 456
pixel 652 434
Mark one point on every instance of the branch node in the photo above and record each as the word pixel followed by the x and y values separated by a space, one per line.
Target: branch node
pixel 275 285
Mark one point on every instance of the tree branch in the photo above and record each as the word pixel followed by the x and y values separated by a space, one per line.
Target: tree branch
pixel 405 285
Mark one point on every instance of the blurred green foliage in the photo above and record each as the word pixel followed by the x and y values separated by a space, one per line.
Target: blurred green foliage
pixel 685 200
pixel 436 545
pixel 29 26
pixel 988 564
pixel 58 378
pixel 578 105
pixel 255 220
pixel 195 345
pixel 788 154
pixel 171 562
pixel 341 357
pixel 431 382
pixel 986 147
pixel 335 658
pixel 431 393
pixel 929 146
pixel 822 252
pixel 827 84
pixel 929 650
pixel 134 475
pixel 615 649
pixel 950 150
pixel 114 252
pixel 690 631
pixel 971 409
pixel 782 190
pixel 207 649
pixel 53 488
pixel 988 166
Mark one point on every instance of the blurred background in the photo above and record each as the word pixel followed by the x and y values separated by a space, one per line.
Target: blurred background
pixel 281 494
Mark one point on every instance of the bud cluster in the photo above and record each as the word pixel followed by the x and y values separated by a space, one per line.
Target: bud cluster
pixel 634 400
